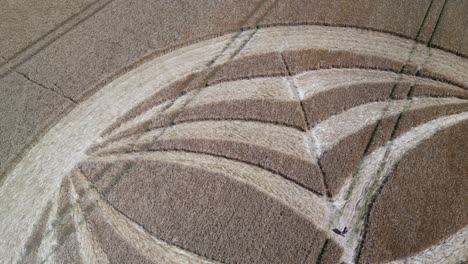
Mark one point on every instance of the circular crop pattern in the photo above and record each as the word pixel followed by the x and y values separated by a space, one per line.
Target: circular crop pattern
pixel 294 144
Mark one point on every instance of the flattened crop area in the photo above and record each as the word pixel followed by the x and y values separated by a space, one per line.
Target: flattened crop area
pixel 269 146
